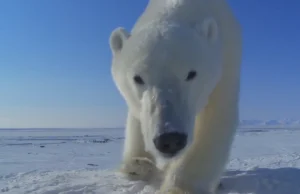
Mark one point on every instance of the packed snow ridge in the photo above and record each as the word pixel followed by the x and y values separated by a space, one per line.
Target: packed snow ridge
pixel 271 123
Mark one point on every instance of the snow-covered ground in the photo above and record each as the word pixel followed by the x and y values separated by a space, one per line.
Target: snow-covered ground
pixel 84 161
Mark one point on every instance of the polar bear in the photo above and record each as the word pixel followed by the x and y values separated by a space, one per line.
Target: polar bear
pixel 179 73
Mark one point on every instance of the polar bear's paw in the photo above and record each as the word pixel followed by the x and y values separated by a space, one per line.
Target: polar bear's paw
pixel 177 190
pixel 140 169
pixel 174 191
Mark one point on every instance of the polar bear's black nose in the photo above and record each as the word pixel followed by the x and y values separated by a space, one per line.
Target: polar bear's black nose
pixel 170 143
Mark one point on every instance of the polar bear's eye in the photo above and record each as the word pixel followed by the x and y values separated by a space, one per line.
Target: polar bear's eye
pixel 191 75
pixel 137 79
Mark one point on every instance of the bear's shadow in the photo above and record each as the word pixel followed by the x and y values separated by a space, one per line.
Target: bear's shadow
pixel 262 181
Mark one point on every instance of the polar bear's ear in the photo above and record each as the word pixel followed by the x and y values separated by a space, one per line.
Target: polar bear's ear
pixel 117 39
pixel 209 29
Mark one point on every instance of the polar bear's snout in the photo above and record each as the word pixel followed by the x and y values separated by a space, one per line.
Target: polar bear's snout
pixel 165 121
pixel 169 144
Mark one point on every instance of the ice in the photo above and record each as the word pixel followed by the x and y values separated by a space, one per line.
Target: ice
pixel 85 161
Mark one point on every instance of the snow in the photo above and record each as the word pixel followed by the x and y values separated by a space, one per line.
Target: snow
pixel 85 161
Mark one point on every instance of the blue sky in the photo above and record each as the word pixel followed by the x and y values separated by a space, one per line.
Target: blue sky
pixel 55 61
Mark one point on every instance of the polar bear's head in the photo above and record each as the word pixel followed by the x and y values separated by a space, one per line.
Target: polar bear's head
pixel 166 73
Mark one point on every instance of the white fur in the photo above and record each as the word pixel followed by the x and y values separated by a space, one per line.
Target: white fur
pixel 170 39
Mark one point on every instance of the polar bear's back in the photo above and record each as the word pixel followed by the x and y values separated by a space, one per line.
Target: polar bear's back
pixel 195 11
pixel 189 11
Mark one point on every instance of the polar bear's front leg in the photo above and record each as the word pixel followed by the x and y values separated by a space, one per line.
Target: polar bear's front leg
pixel 199 169
pixel 137 163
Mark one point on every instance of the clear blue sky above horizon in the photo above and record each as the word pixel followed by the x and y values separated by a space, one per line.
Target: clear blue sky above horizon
pixel 55 61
